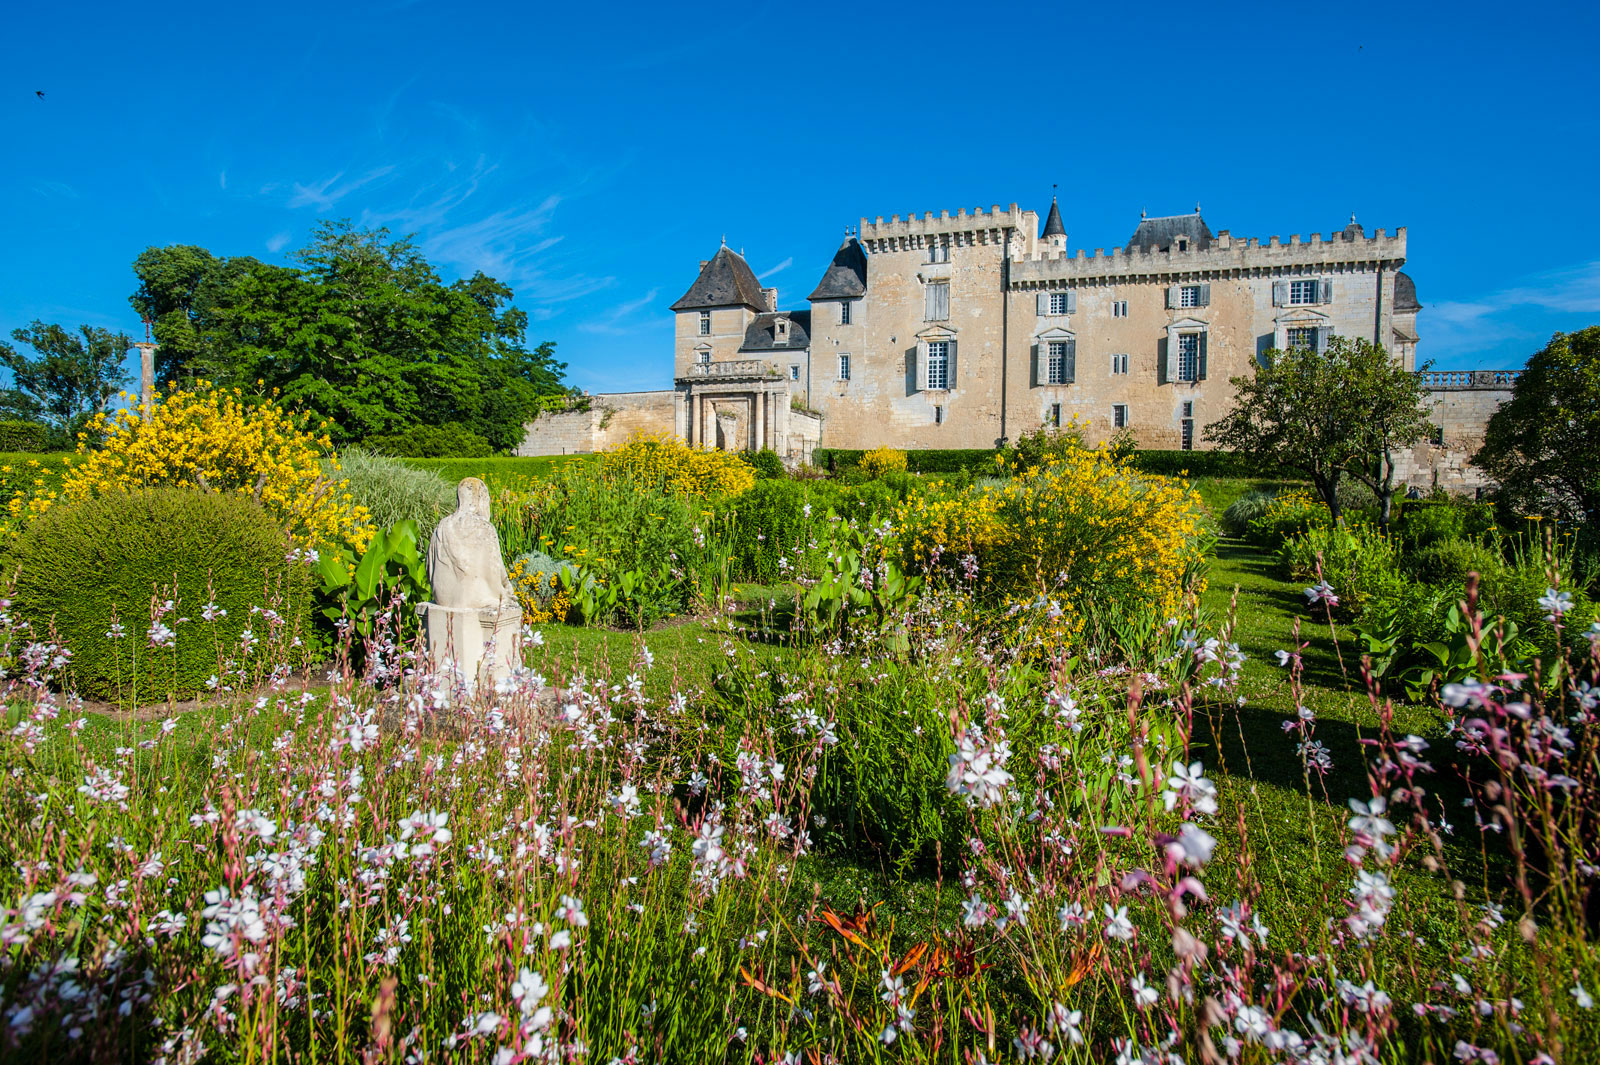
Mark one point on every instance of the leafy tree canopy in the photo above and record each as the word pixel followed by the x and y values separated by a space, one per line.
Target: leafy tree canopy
pixel 1543 443
pixel 362 331
pixel 70 376
pixel 1342 412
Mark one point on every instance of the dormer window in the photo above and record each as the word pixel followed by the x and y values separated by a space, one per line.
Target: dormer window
pixel 780 330
pixel 705 323
pixel 1183 245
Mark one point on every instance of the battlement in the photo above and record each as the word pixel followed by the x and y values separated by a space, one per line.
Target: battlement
pixel 1227 254
pixel 983 226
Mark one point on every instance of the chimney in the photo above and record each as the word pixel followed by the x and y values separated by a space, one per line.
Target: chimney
pixel 772 298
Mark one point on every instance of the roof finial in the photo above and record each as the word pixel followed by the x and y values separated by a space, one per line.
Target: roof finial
pixel 1352 218
pixel 1053 188
pixel 1197 207
pixel 1143 213
pixel 724 240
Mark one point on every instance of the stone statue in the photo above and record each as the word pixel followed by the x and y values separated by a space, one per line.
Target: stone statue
pixel 475 607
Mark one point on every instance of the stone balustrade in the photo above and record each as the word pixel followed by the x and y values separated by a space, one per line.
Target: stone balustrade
pixel 732 368
pixel 1441 380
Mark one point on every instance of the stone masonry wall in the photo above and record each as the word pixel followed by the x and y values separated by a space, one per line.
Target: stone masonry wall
pixel 610 420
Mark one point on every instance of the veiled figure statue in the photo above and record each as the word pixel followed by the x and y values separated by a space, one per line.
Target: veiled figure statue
pixel 474 604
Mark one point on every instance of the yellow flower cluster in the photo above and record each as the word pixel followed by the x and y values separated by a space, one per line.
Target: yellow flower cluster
pixel 1078 529
pixel 882 460
pixel 1290 513
pixel 1083 526
pixel 664 460
pixel 214 439
pixel 540 594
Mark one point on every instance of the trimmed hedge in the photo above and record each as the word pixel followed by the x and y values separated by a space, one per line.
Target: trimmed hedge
pixel 501 471
pixel 1203 464
pixel 981 460
pixel 77 563
pixel 26 437
pixel 928 460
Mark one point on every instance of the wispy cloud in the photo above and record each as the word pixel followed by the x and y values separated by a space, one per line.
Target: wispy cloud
pixel 55 190
pixel 324 194
pixel 278 241
pixel 1462 327
pixel 222 179
pixel 776 269
pixel 620 321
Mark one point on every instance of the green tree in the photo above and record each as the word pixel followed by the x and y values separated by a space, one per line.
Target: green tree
pixel 361 331
pixel 1541 445
pixel 69 378
pixel 1330 414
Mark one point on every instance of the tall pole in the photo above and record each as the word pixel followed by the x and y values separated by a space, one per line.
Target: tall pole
pixel 147 372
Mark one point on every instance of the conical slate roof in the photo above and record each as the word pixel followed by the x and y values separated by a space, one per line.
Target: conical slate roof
pixel 725 281
pixel 846 276
pixel 1052 222
pixel 1405 293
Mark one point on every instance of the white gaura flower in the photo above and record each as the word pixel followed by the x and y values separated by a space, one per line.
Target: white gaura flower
pixel 428 828
pixel 1193 846
pixel 1554 604
pixel 1117 924
pixel 1581 995
pixel 1144 996
pixel 1188 784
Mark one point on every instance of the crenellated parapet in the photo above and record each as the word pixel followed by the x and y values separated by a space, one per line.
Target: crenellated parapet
pixel 1227 256
pixel 993 226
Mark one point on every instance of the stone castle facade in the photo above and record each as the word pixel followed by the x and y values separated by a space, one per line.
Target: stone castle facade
pixel 964 330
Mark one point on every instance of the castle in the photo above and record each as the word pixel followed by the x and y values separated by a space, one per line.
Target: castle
pixel 964 330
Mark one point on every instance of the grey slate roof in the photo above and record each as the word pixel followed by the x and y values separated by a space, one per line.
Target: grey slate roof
pixel 761 334
pixel 1164 232
pixel 846 276
pixel 726 281
pixel 1052 222
pixel 1405 293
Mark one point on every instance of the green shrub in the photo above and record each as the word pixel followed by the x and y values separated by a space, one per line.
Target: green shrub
pixel 766 463
pixel 503 471
pixel 1358 561
pixel 1244 510
pixel 393 490
pixel 80 564
pixel 1447 562
pixel 1423 522
pixel 1202 464
pixel 20 436
pixel 432 442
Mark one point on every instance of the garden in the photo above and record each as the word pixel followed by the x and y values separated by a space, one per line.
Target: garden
pixel 1048 756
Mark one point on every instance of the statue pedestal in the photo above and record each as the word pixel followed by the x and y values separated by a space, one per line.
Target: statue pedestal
pixel 463 635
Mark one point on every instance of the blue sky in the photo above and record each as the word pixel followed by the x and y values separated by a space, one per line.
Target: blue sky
pixel 591 154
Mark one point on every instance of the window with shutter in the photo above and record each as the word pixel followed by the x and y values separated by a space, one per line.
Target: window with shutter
pixel 1060 303
pixel 1042 304
pixel 937 301
pixel 1323 334
pixel 937 374
pixel 1057 368
pixel 1200 372
pixel 1280 293
pixel 1172 296
pixel 1304 292
pixel 1327 292
pixel 1202 295
pixel 1188 356
pixel 1301 337
pixel 1189 296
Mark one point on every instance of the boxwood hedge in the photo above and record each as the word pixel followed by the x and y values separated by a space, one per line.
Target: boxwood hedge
pixel 77 564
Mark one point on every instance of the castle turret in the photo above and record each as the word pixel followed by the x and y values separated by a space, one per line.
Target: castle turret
pixel 1055 234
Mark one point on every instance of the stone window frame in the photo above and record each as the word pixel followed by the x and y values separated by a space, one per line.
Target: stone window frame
pixel 1119 364
pixel 1175 332
pixel 937 334
pixel 705 323
pixel 1301 318
pixel 1042 377
pixel 1119 415
pixel 844 366
pixel 844 312
pixel 702 355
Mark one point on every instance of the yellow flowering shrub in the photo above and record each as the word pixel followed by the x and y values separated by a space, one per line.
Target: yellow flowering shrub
pixel 213 439
pixel 665 461
pixel 540 594
pixel 1081 528
pixel 882 460
pixel 1291 513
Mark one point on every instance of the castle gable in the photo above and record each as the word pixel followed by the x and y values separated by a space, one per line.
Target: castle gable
pixel 763 333
pixel 1164 233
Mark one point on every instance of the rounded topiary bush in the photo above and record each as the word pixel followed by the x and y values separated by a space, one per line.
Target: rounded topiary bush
pixel 1449 561
pixel 79 564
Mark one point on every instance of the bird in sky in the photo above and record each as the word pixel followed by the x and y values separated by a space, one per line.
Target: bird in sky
pixel 39 93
